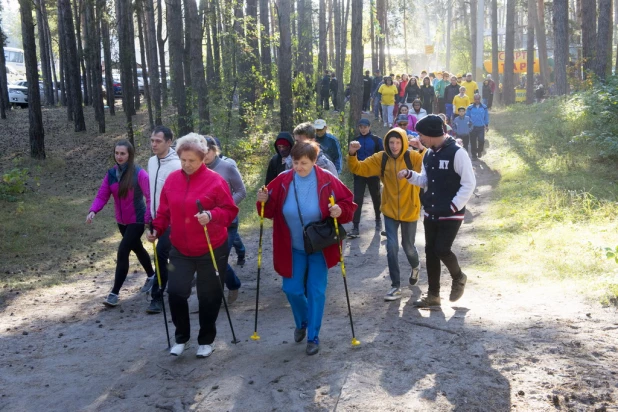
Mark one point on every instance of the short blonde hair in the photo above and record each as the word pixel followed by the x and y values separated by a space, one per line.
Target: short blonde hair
pixel 193 142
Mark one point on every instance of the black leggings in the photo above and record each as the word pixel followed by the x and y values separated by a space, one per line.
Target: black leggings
pixel 131 241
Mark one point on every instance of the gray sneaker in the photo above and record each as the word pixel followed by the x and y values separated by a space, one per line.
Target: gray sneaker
pixel 457 288
pixel 111 300
pixel 232 295
pixel 313 347
pixel 414 275
pixel 156 306
pixel 393 294
pixel 148 285
pixel 299 334
pixel 354 233
pixel 427 300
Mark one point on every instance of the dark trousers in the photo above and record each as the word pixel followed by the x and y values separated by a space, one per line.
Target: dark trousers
pixel 324 100
pixel 477 140
pixel 366 102
pixel 333 97
pixel 209 293
pixel 490 100
pixel 442 106
pixel 239 247
pixel 231 280
pixel 359 193
pixel 465 138
pixel 439 238
pixel 163 252
pixel 131 241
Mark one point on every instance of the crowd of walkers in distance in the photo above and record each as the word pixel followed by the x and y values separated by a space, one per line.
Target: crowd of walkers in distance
pixel 187 202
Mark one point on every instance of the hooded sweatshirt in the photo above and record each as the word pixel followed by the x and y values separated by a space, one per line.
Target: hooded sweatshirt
pixel 400 200
pixel 277 162
pixel 158 170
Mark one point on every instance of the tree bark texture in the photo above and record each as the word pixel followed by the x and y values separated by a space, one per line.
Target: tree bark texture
pixel 530 52
pixel 125 43
pixel 145 67
pixel 266 57
pixel 561 46
pixel 174 19
pixel 322 38
pixel 44 53
pixel 4 93
pixel 71 64
pixel 77 13
pixel 604 35
pixel 356 69
pixel 542 42
pixel 107 59
pixel 153 64
pixel 35 117
pixel 589 35
pixel 161 42
pixel 305 38
pixel 473 35
pixel 286 109
pixel 197 68
pixel 93 34
pixel 508 89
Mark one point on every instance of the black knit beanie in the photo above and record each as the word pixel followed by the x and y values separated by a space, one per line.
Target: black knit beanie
pixel 431 126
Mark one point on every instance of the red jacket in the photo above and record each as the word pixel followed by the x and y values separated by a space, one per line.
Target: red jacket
pixel 178 208
pixel 282 239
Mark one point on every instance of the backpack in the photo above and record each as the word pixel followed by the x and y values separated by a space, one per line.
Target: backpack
pixel 406 158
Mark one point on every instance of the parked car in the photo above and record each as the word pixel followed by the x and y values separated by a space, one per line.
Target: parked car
pixel 18 95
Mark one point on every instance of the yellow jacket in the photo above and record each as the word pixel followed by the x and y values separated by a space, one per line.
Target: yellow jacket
pixel 459 101
pixel 400 199
pixel 470 86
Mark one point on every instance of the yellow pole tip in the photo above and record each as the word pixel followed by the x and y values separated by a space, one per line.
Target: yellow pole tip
pixel 255 336
pixel 355 342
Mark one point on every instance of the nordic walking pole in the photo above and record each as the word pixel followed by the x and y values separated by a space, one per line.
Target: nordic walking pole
pixel 255 336
pixel 355 342
pixel 167 331
pixel 214 262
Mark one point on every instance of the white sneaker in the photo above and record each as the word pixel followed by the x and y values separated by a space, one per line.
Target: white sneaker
pixel 177 349
pixel 204 351
pixel 393 294
pixel 385 124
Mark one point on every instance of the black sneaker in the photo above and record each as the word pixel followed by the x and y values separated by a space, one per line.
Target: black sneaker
pixel 383 233
pixel 156 306
pixel 457 289
pixel 414 275
pixel 379 224
pixel 240 261
pixel 352 234
pixel 313 347
pixel 299 334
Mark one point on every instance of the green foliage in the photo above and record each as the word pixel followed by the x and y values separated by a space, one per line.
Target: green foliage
pixel 460 51
pixel 13 184
pixel 612 253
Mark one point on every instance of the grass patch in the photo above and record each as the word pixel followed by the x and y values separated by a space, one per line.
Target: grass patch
pixel 555 206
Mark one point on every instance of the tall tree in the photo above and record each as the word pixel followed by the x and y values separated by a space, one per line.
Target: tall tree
pixel 473 34
pixel 495 70
pixel 131 49
pixel 305 38
pixel 508 89
pixel 4 92
pixel 589 34
pixel 153 65
pixel 71 64
pixel 107 59
pixel 216 49
pixel 145 67
pixel 286 109
pixel 530 52
pixel 44 52
pixel 542 41
pixel 604 34
pixel 356 69
pixel 174 26
pixel 77 15
pixel 161 42
pixel 197 67
pixel 322 33
pixel 124 14
pixel 265 42
pixel 65 84
pixel 561 45
pixel 381 27
pixel 37 134
pixel 93 55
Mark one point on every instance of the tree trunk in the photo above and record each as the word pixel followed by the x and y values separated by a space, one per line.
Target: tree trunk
pixel 125 43
pixel 286 108
pixel 136 92
pixel 322 37
pixel 93 45
pixel 542 42
pixel 4 91
pixel 495 70
pixel 473 35
pixel 51 56
pixel 44 51
pixel 589 34
pixel 387 38
pixel 72 64
pixel 107 59
pixel 174 25
pixel 381 25
pixel 161 42
pixel 305 38
pixel 252 54
pixel 35 117
pixel 374 42
pixel 603 37
pixel 210 69
pixel 331 32
pixel 197 68
pixel 77 12
pixel 153 65
pixel 145 68
pixel 508 90
pixel 65 97
pixel 530 52
pixel 356 69
pixel 265 41
pixel 215 43
pixel 561 45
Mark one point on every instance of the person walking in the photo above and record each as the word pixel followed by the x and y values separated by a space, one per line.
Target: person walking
pixel 417 110
pixel 471 87
pixel 283 146
pixel 325 90
pixel 370 145
pixel 403 109
pixel 190 250
pixel 375 86
pixel 305 275
pixel 232 177
pixel 400 201
pixel 334 89
pixel 328 143
pixel 305 132
pixel 428 94
pixel 450 92
pixel 479 115
pixel 462 125
pixel 388 91
pixel 448 179
pixel 413 92
pixel 492 88
pixel 164 162
pixel 367 80
pixel 440 87
pixel 127 183
pixel 461 100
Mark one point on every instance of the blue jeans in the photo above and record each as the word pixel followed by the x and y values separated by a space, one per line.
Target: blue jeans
pixel 449 111
pixel 231 280
pixel 239 247
pixel 408 235
pixel 308 308
pixel 376 106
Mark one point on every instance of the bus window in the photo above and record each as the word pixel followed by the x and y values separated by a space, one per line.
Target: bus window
pixel 13 56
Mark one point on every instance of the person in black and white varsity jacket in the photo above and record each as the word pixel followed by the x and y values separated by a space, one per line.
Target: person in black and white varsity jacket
pixel 448 179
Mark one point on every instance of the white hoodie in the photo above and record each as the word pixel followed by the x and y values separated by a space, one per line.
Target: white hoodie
pixel 158 171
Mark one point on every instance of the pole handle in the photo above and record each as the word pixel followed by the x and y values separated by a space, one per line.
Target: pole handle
pixel 199 206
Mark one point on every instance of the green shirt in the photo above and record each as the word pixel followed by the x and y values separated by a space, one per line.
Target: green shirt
pixel 440 87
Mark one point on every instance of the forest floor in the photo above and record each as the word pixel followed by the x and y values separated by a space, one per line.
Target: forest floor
pixel 506 345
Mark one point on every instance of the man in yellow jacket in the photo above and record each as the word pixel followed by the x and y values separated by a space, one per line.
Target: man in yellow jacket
pixel 400 202
pixel 471 87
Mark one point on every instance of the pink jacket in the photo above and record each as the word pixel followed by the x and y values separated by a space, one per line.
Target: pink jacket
pixel 129 209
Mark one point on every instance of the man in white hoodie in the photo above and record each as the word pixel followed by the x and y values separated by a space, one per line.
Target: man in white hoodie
pixel 164 162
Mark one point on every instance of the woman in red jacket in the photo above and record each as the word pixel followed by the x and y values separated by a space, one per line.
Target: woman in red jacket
pixel 295 198
pixel 189 253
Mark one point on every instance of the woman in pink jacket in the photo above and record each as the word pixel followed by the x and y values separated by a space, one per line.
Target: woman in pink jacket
pixel 128 184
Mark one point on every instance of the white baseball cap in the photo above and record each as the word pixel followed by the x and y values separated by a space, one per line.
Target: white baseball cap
pixel 319 124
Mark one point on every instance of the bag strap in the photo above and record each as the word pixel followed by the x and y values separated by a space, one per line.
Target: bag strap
pixel 406 158
pixel 384 160
pixel 296 196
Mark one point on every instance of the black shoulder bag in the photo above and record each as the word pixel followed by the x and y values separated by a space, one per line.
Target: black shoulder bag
pixel 318 235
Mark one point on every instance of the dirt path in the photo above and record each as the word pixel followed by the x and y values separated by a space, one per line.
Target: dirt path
pixel 503 346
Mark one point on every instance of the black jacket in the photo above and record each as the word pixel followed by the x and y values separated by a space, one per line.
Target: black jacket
pixel 334 85
pixel 366 86
pixel 450 92
pixel 276 164
pixel 325 85
pixel 412 92
pixel 427 96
